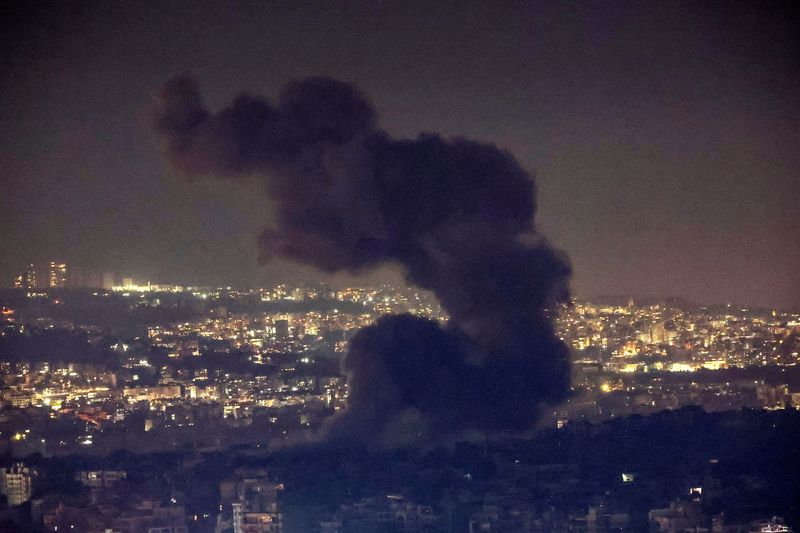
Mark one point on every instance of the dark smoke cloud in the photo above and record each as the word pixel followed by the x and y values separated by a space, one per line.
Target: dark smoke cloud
pixel 456 214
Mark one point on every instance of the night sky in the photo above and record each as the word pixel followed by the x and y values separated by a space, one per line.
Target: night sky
pixel 665 137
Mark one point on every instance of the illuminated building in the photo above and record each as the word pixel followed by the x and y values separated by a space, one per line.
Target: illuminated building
pixel 57 274
pixel 250 503
pixel 164 392
pixel 26 280
pixel 15 483
pixel 18 398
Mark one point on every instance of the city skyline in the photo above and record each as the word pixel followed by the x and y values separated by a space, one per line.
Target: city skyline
pixel 661 139
pixel 127 281
pixel 399 266
pixel 100 388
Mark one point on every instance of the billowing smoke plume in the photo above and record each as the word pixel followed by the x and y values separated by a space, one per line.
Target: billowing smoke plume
pixel 456 214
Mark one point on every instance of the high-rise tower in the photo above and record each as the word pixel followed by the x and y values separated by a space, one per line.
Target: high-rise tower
pixel 57 274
